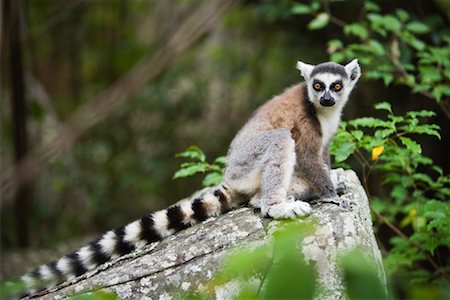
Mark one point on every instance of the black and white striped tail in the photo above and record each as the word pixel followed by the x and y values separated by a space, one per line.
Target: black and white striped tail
pixel 125 239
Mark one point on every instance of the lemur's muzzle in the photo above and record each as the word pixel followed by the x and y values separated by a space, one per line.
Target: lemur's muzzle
pixel 326 99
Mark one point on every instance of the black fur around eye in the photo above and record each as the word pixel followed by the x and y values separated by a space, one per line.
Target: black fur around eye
pixel 337 86
pixel 317 86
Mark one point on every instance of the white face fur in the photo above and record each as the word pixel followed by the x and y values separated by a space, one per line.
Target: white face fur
pixel 329 84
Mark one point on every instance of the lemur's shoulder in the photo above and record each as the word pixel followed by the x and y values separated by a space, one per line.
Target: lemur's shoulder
pixel 287 108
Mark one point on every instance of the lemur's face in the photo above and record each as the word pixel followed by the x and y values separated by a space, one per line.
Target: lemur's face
pixel 327 88
pixel 330 83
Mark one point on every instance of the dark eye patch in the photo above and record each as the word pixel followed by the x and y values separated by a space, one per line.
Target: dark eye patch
pixel 337 86
pixel 318 85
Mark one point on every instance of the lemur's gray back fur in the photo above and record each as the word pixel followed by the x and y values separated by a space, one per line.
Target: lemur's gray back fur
pixel 279 157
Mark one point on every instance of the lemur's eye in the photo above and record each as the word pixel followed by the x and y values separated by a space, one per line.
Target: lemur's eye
pixel 317 86
pixel 337 87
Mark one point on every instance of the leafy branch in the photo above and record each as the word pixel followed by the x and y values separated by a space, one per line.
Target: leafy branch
pixel 200 165
pixel 388 146
pixel 390 46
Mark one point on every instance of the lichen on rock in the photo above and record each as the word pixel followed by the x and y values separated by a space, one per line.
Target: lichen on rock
pixel 189 260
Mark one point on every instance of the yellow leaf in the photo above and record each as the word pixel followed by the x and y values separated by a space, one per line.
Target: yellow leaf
pixel 376 151
pixel 410 218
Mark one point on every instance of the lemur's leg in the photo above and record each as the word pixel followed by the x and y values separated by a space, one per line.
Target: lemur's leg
pixel 339 186
pixel 264 165
pixel 300 188
pixel 311 163
pixel 313 166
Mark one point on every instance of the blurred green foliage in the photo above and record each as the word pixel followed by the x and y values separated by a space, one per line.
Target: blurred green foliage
pixel 8 290
pixel 277 270
pixel 97 295
pixel 11 290
pixel 419 190
pixel 394 48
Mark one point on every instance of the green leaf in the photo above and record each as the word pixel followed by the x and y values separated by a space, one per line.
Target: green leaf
pixel 387 79
pixel 334 45
pixel 361 277
pixel 338 57
pixel 371 6
pixel 320 21
pixel 384 105
pixel 396 119
pixel 190 170
pixel 421 113
pixel 402 14
pixel 384 133
pixel 370 122
pixel 357 134
pixel 300 9
pixel 221 160
pixel 391 23
pixel 375 18
pixel 421 87
pixel 410 144
pixel 376 47
pixel 428 129
pixel 244 263
pixel 441 90
pixel 96 295
pixel 430 74
pixel 357 30
pixel 417 27
pixel 315 5
pixel 399 193
pixel 424 178
pixel 212 179
pixel 446 72
pixel 413 41
pixel 11 289
pixel 290 269
pixel 344 150
pixel 192 152
pixel 282 286
pixel 410 80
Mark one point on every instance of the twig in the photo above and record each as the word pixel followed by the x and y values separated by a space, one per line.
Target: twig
pixel 333 19
pixel 57 16
pixel 264 277
pixel 444 103
pixel 390 225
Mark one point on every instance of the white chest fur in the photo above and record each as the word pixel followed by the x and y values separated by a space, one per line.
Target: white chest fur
pixel 329 122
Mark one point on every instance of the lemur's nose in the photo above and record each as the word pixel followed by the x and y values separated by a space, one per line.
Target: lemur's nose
pixel 327 96
pixel 326 99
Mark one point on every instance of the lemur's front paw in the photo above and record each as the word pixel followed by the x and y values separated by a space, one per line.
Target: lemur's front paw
pixel 341 188
pixel 287 210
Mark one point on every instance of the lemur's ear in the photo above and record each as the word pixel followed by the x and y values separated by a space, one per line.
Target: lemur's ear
pixel 353 70
pixel 305 69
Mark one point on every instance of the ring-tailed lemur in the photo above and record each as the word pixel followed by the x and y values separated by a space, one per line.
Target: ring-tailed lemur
pixel 279 156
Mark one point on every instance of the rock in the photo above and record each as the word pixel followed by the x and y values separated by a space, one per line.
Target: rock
pixel 188 260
